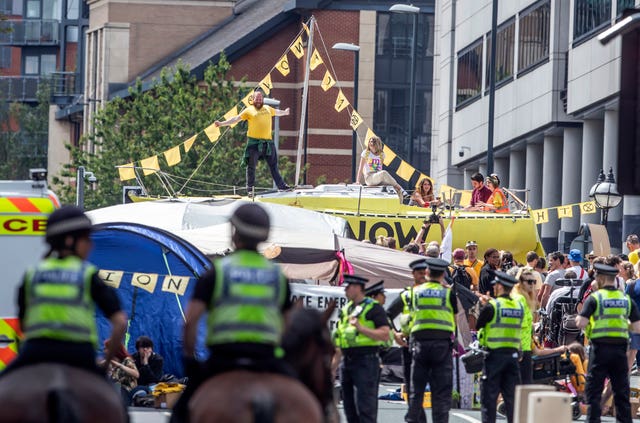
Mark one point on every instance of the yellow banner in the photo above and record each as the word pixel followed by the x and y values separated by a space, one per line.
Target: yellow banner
pixel 588 207
pixel 565 211
pixel 213 132
pixel 370 134
pixel 150 165
pixel 266 84
pixel 172 156
pixel 189 143
pixel 127 172
pixel 298 47
pixel 23 224
pixel 405 171
pixel 283 66
pixel 327 81
pixel 389 155
pixel 341 102
pixel 356 120
pixel 248 99
pixel 316 60
pixel 540 216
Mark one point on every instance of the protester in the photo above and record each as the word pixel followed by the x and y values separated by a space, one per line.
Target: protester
pixel 259 139
pixel 122 371
pixel 472 260
pixel 480 193
pixel 371 163
pixel 524 293
pixel 633 245
pixel 491 264
pixel 556 271
pixel 423 195
pixel 497 202
pixel 149 363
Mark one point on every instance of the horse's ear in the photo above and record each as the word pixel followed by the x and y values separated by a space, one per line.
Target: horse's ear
pixel 326 315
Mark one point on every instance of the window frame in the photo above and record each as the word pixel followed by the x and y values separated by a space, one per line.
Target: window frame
pixel 467 49
pixel 500 82
pixel 543 59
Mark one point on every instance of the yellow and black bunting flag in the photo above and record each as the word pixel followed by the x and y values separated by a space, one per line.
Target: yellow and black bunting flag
pixel 150 165
pixel 341 102
pixel 327 81
pixel 283 66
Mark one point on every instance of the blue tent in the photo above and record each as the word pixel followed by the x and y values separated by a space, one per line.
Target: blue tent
pixel 154 273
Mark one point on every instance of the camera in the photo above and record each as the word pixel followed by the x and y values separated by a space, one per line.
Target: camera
pixel 461 152
pixel 433 217
pixel 91 178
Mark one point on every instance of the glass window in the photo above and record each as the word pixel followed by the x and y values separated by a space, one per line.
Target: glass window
pixel 72 34
pixel 5 57
pixel 47 64
pixel 6 7
pixel 625 4
pixel 31 65
pixel 504 52
pixel 589 15
pixel 33 9
pixel 51 9
pixel 469 80
pixel 73 9
pixel 533 36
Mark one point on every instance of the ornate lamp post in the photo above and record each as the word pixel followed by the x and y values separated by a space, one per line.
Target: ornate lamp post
pixel 605 194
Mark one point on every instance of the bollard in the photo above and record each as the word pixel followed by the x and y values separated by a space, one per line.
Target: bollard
pixel 522 400
pixel 549 407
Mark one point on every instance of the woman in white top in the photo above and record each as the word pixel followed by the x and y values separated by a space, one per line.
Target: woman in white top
pixel 371 162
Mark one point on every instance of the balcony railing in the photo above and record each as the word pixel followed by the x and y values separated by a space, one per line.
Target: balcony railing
pixel 29 32
pixel 22 88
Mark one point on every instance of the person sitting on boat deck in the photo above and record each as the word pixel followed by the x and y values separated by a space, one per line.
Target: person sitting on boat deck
pixel 371 168
pixel 259 140
pixel 58 297
pixel 497 202
pixel 245 298
pixel 423 196
pixel 480 193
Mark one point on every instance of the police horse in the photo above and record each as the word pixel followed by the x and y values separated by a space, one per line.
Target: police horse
pixel 56 393
pixel 242 396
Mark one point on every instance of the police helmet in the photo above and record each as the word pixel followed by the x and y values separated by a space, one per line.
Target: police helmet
pixel 67 220
pixel 251 221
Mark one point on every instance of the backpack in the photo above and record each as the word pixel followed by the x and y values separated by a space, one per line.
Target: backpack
pixel 461 277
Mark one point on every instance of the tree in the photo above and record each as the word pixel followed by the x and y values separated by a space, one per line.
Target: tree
pixel 150 122
pixel 23 135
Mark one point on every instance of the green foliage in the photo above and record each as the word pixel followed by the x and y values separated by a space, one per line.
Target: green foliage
pixel 23 135
pixel 150 122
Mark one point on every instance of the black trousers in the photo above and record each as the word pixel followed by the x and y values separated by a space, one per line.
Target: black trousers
pixel 359 375
pixel 257 152
pixel 500 376
pixel 608 360
pixel 431 363
pixel 526 368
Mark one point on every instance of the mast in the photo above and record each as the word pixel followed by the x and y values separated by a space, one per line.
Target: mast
pixel 305 97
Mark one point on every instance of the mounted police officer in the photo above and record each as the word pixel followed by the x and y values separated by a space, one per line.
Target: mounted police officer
pixel 57 299
pixel 362 330
pixel 606 315
pixel 433 311
pixel 401 306
pixel 500 323
pixel 245 297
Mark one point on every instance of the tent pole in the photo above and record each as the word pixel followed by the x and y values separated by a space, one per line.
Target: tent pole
pixel 305 96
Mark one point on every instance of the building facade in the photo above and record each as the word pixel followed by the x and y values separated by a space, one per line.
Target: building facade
pixel 556 104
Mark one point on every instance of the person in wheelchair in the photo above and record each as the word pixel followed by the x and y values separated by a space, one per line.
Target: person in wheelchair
pixel 561 309
pixel 568 288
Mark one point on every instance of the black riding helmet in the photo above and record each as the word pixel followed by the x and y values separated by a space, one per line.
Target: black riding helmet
pixel 67 220
pixel 251 222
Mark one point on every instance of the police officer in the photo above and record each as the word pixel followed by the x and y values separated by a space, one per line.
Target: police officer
pixel 433 311
pixel 401 306
pixel 244 296
pixel 376 293
pixel 605 315
pixel 500 323
pixel 57 298
pixel 362 329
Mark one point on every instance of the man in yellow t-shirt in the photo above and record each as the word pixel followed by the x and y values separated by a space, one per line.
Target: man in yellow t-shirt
pixel 472 260
pixel 259 141
pixel 633 244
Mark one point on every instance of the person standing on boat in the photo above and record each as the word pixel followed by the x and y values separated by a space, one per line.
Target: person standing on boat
pixel 259 140
pixel 371 168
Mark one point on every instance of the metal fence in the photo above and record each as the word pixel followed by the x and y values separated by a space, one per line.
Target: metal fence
pixel 589 15
pixel 29 32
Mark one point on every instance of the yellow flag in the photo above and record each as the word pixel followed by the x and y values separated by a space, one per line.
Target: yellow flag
pixel 189 143
pixel 248 99
pixel 327 81
pixel 540 216
pixel 370 134
pixel 341 102
pixel 150 165
pixel 389 155
pixel 588 207
pixel 283 66
pixel 306 28
pixel 266 84
pixel 146 281
pixel 127 172
pixel 172 156
pixel 233 112
pixel 405 171
pixel 212 132
pixel 565 211
pixel 356 120
pixel 316 60
pixel 298 48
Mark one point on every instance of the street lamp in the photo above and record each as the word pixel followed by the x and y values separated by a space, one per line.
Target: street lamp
pixel 80 175
pixel 354 142
pixel 406 8
pixel 605 194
